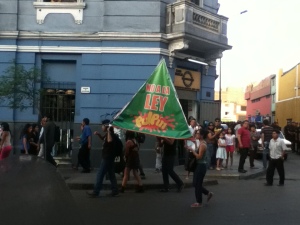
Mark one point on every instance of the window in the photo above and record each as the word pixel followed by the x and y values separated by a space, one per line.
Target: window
pixel 207 94
pixel 273 82
pixel 273 98
pixel 255 100
pixel 243 108
pixel 45 7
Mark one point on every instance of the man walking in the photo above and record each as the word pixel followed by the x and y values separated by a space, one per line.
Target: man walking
pixel 107 163
pixel 277 151
pixel 266 136
pixel 85 148
pixel 244 139
pixel 168 159
pixel 49 138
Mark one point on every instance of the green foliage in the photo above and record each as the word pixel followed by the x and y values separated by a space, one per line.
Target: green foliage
pixel 21 88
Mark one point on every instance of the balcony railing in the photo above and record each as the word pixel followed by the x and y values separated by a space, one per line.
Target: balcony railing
pixel 186 17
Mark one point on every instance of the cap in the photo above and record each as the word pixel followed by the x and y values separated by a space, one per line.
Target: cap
pixel 105 122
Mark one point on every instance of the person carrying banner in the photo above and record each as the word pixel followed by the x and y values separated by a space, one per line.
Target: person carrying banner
pixel 107 163
pixel 168 158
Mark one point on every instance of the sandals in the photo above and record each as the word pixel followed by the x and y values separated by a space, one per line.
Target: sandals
pixel 209 196
pixel 196 205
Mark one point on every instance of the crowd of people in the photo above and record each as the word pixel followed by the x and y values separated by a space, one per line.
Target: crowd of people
pixel 210 148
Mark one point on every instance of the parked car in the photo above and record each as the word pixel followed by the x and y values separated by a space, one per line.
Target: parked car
pixel 287 143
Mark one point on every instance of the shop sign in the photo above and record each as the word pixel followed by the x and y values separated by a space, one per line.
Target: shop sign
pixel 187 79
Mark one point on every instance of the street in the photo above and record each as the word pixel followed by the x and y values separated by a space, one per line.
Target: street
pixel 234 202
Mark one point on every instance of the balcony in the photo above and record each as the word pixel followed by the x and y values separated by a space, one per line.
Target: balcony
pixel 203 33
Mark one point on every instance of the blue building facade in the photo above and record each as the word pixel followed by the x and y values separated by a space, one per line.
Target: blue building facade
pixel 98 53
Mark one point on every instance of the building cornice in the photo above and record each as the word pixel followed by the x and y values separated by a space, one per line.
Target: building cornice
pixel 90 50
pixel 97 36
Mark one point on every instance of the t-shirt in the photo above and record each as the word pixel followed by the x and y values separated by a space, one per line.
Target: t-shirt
pixel 86 132
pixel 267 131
pixel 190 143
pixel 229 139
pixel 245 137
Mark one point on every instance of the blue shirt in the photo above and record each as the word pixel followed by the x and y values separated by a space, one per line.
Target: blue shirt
pixel 86 132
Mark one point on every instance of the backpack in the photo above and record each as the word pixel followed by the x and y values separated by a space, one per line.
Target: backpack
pixel 140 137
pixel 57 134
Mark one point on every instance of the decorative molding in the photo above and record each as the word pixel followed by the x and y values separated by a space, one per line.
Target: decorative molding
pixel 174 46
pixel 152 37
pixel 45 8
pixel 90 50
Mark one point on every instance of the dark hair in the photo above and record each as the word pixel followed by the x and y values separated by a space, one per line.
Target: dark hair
pixel 191 118
pixel 48 116
pixel 129 135
pixel 276 131
pixel 203 133
pixel 217 119
pixel 266 122
pixel 245 121
pixel 86 121
pixel 5 126
pixel 25 130
pixel 252 125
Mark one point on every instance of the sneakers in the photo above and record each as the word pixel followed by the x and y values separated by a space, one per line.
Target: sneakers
pixel 242 171
pixel 218 168
pixel 196 205
pixel 209 196
pixel 164 190
pixel 92 194
pixel 139 189
pixel 113 194
pixel 180 188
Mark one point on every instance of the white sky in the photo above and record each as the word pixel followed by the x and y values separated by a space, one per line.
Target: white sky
pixel 263 40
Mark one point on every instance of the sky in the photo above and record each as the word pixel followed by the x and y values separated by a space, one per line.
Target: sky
pixel 264 39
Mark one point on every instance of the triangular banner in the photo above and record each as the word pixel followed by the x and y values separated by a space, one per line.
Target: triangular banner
pixel 155 108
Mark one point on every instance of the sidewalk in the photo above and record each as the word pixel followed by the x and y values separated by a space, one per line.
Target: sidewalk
pixel 77 180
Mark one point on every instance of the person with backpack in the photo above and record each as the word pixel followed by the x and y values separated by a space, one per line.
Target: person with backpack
pixel 107 162
pixel 132 161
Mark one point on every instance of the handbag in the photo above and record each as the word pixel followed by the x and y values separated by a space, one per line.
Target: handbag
pixel 192 164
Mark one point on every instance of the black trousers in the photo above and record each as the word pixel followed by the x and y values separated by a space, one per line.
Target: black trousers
pixel 49 158
pixel 84 157
pixel 278 164
pixel 252 155
pixel 243 156
pixel 168 170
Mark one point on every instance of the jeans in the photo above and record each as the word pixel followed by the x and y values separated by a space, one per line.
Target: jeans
pixel 265 153
pixel 199 175
pixel 209 154
pixel 106 166
pixel 168 169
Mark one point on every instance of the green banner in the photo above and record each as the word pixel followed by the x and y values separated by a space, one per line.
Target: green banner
pixel 155 108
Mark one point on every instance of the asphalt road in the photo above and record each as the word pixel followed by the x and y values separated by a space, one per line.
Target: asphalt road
pixel 234 202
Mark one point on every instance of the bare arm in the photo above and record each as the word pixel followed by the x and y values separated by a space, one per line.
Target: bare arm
pixel 3 138
pixel 170 141
pixel 24 141
pixel 202 149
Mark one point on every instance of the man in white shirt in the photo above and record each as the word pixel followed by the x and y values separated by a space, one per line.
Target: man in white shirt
pixel 277 150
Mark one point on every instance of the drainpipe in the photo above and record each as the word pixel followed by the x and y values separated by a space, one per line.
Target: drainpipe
pixel 297 77
pixel 15 61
